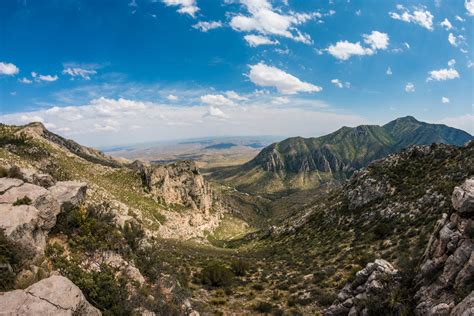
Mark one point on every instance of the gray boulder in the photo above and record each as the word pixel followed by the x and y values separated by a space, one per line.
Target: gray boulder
pixel 55 295
pixel 69 194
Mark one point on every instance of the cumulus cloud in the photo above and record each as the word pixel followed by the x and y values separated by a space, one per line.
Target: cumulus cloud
pixel 235 96
pixel 79 72
pixel 185 6
pixel 280 100
pixel 172 97
pixel 469 4
pixel 409 87
pixel 455 40
pixel 444 100
pixel 216 100
pixel 205 26
pixel 389 71
pixel 376 40
pixel 344 50
pixel 257 40
pixel 419 15
pixel 446 24
pixel 8 69
pixel 269 76
pixel 264 19
pixel 445 73
pixel 338 83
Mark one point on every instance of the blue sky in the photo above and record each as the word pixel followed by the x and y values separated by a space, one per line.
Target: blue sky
pixel 110 72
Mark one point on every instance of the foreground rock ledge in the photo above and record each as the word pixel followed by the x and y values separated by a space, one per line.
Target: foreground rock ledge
pixel 55 295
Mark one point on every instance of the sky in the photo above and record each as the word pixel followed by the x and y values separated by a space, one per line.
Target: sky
pixel 113 72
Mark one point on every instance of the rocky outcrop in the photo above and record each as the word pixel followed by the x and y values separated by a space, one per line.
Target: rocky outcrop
pixel 55 295
pixel 28 211
pixel 447 272
pixel 370 282
pixel 362 189
pixel 179 183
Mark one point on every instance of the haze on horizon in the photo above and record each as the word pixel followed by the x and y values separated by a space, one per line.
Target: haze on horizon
pixel 148 70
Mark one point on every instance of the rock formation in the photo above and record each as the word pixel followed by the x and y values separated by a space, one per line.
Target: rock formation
pixel 28 211
pixel 369 283
pixel 447 272
pixel 55 295
pixel 179 183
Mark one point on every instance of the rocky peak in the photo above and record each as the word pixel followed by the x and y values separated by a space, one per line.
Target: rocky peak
pixel 179 183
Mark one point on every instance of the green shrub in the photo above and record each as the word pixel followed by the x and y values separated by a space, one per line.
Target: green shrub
pixel 239 267
pixel 133 234
pixel 3 172
pixel 216 274
pixel 263 307
pixel 12 258
pixel 23 201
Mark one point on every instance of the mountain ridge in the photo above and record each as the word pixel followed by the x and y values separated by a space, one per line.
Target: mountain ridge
pixel 299 162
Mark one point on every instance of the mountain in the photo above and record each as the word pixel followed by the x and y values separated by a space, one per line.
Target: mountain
pixel 81 236
pixel 304 163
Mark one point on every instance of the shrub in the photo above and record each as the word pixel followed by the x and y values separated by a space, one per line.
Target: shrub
pixel 216 274
pixel 12 258
pixel 263 307
pixel 133 233
pixel 469 231
pixel 3 172
pixel 23 201
pixel 239 267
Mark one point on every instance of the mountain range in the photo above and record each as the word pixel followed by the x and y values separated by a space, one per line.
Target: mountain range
pixel 305 163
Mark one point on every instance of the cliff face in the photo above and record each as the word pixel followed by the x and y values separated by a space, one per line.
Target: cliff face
pixel 179 183
pixel 446 276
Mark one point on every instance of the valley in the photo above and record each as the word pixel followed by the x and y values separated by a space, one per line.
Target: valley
pixel 143 237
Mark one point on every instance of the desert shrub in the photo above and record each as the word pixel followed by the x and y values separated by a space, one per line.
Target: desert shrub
pixel 324 297
pixel 258 287
pixel 216 274
pixel 239 267
pixel 22 201
pixel 263 307
pixel 133 234
pixel 15 172
pixel 3 172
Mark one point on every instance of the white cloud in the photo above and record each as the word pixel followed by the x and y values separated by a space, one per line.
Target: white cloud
pixel 216 100
pixel 409 87
pixel 446 24
pixel 269 76
pixel 460 19
pixel 280 100
pixel 455 40
pixel 377 40
pixel 48 78
pixel 205 26
pixel 451 62
pixel 25 80
pixel 469 4
pixel 338 83
pixel 443 74
pixel 172 97
pixel 264 19
pixel 344 50
pixel 185 6
pixel 389 71
pixel 235 96
pixel 256 40
pixel 79 72
pixel 420 16
pixel 8 69
pixel 216 112
pixel 105 121
pixel 445 100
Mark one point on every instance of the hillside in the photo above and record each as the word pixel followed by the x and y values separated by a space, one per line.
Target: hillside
pixel 305 163
pixel 158 239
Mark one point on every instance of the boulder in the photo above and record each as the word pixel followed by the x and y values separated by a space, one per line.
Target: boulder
pixel 463 197
pixel 69 194
pixel 55 295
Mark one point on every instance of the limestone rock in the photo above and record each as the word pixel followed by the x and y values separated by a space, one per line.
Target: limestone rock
pixel 463 197
pixel 69 194
pixel 55 295
pixel 369 282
